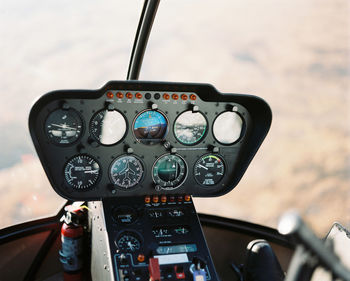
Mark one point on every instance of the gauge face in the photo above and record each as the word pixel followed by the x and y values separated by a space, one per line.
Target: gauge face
pixel 63 127
pixel 150 127
pixel 81 172
pixel 128 242
pixel 126 171
pixel 227 127
pixel 190 127
pixel 108 127
pixel 169 171
pixel 209 170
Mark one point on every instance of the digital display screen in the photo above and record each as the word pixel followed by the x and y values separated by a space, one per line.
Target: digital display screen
pixel 176 249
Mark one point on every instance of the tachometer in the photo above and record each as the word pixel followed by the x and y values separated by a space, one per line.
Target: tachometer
pixel 63 126
pixel 209 170
pixel 108 127
pixel 81 172
pixel 126 171
pixel 150 127
pixel 190 127
pixel 169 171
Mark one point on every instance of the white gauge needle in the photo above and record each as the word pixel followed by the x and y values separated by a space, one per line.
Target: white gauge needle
pixel 131 246
pixel 63 126
pixel 199 165
pixel 91 172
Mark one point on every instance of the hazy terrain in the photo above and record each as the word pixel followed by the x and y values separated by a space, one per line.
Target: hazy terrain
pixel 294 54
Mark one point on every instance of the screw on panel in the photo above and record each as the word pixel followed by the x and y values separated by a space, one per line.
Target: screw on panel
pixel 195 108
pixel 154 106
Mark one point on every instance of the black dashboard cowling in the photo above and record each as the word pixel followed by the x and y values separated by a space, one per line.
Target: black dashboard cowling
pixel 148 149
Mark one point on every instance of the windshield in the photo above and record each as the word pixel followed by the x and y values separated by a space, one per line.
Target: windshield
pixel 49 45
pixel 293 54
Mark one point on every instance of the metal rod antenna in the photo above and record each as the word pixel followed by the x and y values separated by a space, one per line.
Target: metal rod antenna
pixel 144 28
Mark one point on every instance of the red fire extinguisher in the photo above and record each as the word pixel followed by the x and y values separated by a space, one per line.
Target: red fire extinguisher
pixel 72 237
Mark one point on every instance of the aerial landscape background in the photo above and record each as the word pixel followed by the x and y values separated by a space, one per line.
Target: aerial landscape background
pixel 294 54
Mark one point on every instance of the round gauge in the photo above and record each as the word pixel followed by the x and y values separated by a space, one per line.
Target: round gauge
pixel 63 126
pixel 169 171
pixel 227 127
pixel 108 127
pixel 190 127
pixel 126 171
pixel 150 127
pixel 128 242
pixel 81 172
pixel 209 170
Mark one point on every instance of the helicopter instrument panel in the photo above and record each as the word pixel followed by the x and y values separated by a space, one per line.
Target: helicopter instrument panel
pixel 133 138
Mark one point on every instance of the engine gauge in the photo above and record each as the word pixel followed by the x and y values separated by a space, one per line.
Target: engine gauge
pixel 150 127
pixel 209 170
pixel 190 127
pixel 128 242
pixel 63 126
pixel 169 171
pixel 81 172
pixel 227 127
pixel 108 127
pixel 126 171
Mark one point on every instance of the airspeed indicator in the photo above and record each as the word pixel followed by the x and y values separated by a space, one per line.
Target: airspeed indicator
pixel 81 172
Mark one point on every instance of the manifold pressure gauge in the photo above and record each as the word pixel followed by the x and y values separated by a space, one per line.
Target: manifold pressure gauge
pixel 81 172
pixel 209 170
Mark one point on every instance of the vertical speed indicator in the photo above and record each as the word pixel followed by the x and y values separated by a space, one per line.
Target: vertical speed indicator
pixel 209 170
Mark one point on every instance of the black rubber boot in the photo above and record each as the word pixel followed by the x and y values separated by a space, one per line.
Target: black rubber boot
pixel 261 263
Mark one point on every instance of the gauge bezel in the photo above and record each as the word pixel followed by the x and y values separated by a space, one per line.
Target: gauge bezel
pixel 131 232
pixel 243 131
pixel 66 184
pixel 180 183
pixel 138 185
pixel 202 137
pixel 65 144
pixel 151 142
pixel 219 182
pixel 92 135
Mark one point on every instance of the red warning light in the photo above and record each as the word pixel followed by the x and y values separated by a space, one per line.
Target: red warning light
pixel 175 96
pixel 193 97
pixel 110 95
pixel 128 95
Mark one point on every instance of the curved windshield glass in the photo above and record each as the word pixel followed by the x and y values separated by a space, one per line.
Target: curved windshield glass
pixel 48 45
pixel 295 55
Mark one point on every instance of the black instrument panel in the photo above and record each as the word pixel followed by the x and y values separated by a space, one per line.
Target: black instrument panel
pixel 133 138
